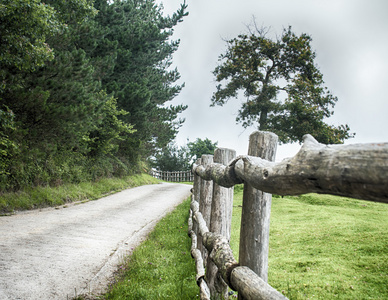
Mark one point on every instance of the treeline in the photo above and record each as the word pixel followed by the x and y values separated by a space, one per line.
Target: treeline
pixel 84 87
pixel 181 158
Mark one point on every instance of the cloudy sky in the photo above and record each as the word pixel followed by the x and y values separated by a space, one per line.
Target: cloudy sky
pixel 350 38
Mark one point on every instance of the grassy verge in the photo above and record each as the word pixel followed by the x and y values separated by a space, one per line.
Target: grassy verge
pixel 54 196
pixel 161 267
pixel 325 247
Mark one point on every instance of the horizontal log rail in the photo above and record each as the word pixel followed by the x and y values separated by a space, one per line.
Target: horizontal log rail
pixel 357 171
pixel 238 278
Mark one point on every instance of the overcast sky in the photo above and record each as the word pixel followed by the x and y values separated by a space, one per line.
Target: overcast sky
pixel 350 38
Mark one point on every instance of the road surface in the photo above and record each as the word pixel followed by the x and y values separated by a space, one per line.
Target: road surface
pixel 59 253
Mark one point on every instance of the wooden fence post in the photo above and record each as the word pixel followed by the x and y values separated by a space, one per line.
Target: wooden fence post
pixel 205 202
pixel 256 210
pixel 220 223
pixel 196 194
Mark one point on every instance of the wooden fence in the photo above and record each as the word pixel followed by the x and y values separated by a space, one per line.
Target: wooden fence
pixel 357 171
pixel 174 176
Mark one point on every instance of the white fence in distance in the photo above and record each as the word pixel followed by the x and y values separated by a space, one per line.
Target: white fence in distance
pixel 173 176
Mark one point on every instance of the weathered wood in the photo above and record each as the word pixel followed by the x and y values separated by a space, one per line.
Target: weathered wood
pixel 222 205
pixel 197 182
pixel 200 276
pixel 196 254
pixel 220 174
pixel 241 279
pixel 357 171
pixel 197 216
pixel 220 223
pixel 205 202
pixel 202 227
pixel 196 192
pixel 256 210
pixel 190 222
pixel 206 191
pixel 221 254
pixel 204 290
pixel 251 287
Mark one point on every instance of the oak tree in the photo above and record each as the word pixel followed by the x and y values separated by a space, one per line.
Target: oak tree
pixel 283 88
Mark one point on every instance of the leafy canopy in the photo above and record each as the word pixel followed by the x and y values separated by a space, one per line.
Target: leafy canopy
pixel 174 158
pixel 84 88
pixel 200 147
pixel 283 88
pixel 135 51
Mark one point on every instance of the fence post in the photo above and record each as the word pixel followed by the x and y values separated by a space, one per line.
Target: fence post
pixel 196 194
pixel 220 223
pixel 205 202
pixel 256 210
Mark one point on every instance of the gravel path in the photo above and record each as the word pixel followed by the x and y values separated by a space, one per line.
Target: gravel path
pixel 58 253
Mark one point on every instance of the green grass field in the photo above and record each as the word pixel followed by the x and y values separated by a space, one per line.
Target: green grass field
pixel 325 247
pixel 162 267
pixel 321 247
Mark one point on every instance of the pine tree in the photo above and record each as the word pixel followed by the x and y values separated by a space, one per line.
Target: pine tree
pixel 137 53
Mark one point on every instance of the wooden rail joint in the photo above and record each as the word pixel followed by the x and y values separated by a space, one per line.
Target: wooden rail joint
pixel 356 171
pixel 221 254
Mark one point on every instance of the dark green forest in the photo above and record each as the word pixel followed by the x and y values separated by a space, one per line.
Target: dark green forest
pixel 84 88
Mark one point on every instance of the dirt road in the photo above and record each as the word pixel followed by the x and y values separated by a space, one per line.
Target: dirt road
pixel 58 253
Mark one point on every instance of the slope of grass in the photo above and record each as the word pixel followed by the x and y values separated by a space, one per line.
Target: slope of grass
pixel 39 197
pixel 325 247
pixel 321 247
pixel 161 267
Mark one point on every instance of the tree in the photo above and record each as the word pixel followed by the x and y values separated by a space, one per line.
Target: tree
pixel 200 147
pixel 133 56
pixel 25 26
pixel 47 86
pixel 284 90
pixel 7 146
pixel 172 158
pixel 84 95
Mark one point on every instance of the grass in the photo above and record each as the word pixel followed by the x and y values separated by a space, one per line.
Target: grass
pixel 325 247
pixel 161 267
pixel 321 246
pixel 39 197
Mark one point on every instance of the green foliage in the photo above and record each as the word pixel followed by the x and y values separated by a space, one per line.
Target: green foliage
pixel 284 89
pixel 200 147
pixel 172 158
pixel 8 148
pixel 103 140
pixel 24 27
pixel 83 95
pixel 135 53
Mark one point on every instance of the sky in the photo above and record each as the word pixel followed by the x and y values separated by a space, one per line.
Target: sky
pixel 350 38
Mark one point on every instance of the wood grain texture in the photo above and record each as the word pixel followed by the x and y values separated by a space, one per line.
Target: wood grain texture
pixel 256 211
